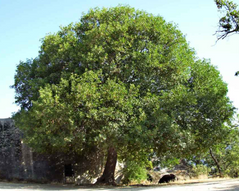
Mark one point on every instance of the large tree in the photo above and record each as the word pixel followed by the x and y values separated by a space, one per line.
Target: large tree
pixel 124 82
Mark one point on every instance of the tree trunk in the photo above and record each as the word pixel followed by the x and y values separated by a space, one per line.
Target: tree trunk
pixel 216 162
pixel 108 176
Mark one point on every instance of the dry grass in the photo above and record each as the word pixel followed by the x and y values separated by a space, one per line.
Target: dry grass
pixel 198 180
pixel 179 182
pixel 183 177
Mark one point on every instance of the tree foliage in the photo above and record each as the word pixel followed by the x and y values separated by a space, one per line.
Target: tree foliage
pixel 229 22
pixel 120 78
pixel 223 157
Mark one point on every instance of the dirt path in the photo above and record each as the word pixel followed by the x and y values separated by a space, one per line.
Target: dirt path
pixel 225 185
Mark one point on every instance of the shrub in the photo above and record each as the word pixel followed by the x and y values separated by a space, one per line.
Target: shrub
pixel 200 169
pixel 134 172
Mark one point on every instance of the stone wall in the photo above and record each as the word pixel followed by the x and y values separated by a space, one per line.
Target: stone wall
pixel 10 150
pixel 18 161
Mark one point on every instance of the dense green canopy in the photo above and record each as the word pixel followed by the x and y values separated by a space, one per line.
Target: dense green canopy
pixel 123 79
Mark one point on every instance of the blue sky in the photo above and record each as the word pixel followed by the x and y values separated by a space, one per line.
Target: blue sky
pixel 24 22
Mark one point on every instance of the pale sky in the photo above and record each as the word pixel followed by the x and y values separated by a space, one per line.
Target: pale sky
pixel 24 22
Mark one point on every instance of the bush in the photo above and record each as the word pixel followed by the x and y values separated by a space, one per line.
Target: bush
pixel 200 169
pixel 134 172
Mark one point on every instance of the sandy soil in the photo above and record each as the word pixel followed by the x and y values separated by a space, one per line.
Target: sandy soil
pixel 219 185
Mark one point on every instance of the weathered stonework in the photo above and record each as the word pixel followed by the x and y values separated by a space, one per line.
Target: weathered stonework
pixel 10 150
pixel 18 161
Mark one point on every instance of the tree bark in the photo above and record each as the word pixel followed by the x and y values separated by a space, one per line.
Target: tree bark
pixel 216 162
pixel 108 176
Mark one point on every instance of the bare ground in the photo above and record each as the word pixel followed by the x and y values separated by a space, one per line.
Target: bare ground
pixel 219 185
